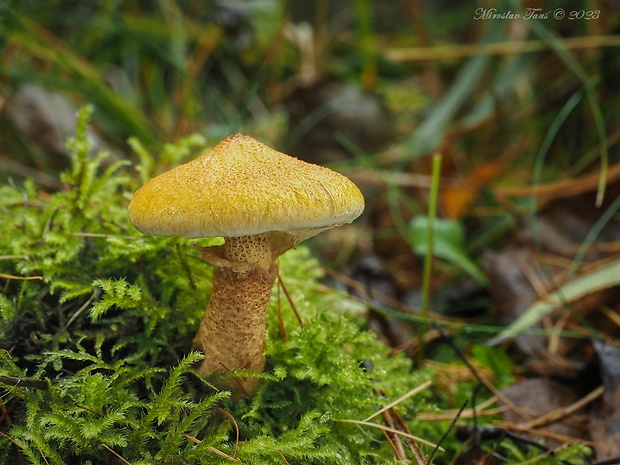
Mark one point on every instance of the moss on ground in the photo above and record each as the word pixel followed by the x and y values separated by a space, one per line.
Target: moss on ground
pixel 96 323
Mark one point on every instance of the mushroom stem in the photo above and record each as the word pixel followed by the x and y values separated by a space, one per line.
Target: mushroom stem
pixel 232 331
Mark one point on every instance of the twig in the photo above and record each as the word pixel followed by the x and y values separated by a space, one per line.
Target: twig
pixel 234 422
pixel 214 450
pixel 413 447
pixel 562 412
pixel 77 313
pixel 391 430
pixel 6 436
pixel 393 439
pixel 281 317
pixel 468 413
pixel 402 398
pixel 445 434
pixel 20 278
pixel 24 382
pixel 290 301
pixel 118 456
pixel 43 455
pixel 481 379
pixel 6 418
pixel 450 52
pixel 88 409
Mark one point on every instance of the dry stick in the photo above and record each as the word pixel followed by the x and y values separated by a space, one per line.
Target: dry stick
pixel 445 434
pixel 482 380
pixel 20 278
pixel 213 449
pixel 234 422
pixel 6 418
pixel 612 315
pixel 505 429
pixel 283 458
pixel 481 383
pixel 13 257
pixel 393 439
pixel 77 313
pixel 394 421
pixel 398 452
pixel 6 436
pixel 491 432
pixel 402 398
pixel 391 430
pixel 549 418
pixel 467 413
pixel 88 409
pixel 469 366
pixel 43 456
pixel 290 301
pixel 413 447
pixel 562 412
pixel 280 316
pixel 118 456
pixel 25 382
pixel 557 189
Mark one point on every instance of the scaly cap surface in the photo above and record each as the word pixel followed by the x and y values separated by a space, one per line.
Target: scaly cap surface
pixel 242 187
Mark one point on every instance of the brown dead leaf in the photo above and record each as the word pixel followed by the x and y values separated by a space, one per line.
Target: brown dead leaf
pixel 537 397
pixel 457 199
pixel 558 189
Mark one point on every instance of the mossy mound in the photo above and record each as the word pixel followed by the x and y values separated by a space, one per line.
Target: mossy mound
pixel 96 323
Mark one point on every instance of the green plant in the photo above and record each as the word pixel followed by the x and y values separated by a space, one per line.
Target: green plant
pixel 448 241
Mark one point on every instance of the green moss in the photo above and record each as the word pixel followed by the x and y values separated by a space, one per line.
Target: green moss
pixel 96 323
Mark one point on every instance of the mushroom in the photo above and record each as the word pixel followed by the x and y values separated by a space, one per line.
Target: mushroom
pixel 262 202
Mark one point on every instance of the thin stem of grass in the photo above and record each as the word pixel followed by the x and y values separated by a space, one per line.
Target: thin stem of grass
pixel 367 49
pixel 428 258
pixel 595 105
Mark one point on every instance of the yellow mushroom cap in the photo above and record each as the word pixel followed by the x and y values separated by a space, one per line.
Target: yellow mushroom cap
pixel 242 187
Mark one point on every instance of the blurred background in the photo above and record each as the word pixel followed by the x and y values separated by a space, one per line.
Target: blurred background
pixel 484 135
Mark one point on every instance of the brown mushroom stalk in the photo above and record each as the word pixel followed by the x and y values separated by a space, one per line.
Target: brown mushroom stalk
pixel 263 203
pixel 232 331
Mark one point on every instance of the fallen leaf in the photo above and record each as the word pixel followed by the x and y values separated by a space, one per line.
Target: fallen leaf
pixel 457 199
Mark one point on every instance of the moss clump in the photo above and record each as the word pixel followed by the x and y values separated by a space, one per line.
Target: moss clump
pixel 96 324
